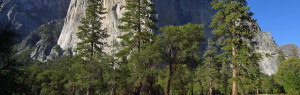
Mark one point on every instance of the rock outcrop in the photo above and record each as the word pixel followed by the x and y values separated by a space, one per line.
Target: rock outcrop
pixel 289 49
pixel 43 42
pixel 28 15
pixel 114 9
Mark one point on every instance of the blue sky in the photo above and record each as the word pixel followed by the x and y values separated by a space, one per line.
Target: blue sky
pixel 280 17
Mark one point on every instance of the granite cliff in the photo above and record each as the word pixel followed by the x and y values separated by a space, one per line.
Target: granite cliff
pixel 28 15
pixel 169 12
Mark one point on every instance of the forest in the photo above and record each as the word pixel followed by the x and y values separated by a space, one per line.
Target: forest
pixel 145 63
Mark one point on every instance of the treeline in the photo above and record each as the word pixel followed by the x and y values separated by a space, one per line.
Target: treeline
pixel 143 63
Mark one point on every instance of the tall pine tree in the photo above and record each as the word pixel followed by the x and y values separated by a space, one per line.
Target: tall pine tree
pixel 211 71
pixel 91 32
pixel 137 25
pixel 234 25
pixel 90 49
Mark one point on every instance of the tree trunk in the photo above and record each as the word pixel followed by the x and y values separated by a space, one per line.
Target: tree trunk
pixel 234 86
pixel 150 87
pixel 139 26
pixel 171 71
pixel 73 90
pixel 210 86
pixel 234 73
pixel 210 80
pixel 92 49
pixel 234 68
pixel 88 91
pixel 170 79
pixel 257 91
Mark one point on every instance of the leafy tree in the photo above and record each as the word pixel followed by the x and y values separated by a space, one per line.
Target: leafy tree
pixel 144 64
pixel 9 68
pixel 180 84
pixel 270 86
pixel 234 25
pixel 288 75
pixel 8 38
pixel 180 43
pixel 52 82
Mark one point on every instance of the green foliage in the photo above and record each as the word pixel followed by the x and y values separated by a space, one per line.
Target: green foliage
pixel 9 70
pixel 50 30
pixel 179 44
pixel 89 73
pixel 137 23
pixel 144 65
pixel 235 27
pixel 269 86
pixel 288 75
pixel 168 63
pixel 90 32
pixel 8 38
pixel 180 84
pixel 137 52
pixel 210 71
pixel 268 55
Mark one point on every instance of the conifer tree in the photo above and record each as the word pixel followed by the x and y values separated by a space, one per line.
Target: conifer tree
pixel 91 32
pixel 234 25
pixel 137 24
pixel 211 71
pixel 90 49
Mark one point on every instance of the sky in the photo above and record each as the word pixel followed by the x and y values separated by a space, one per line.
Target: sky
pixel 279 17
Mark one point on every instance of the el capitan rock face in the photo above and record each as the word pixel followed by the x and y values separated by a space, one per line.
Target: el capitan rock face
pixel 169 12
pixel 28 15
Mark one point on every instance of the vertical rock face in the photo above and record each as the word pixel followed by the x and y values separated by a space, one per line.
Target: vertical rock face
pixel 179 12
pixel 268 49
pixel 114 9
pixel 28 15
pixel 76 11
pixel 169 12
